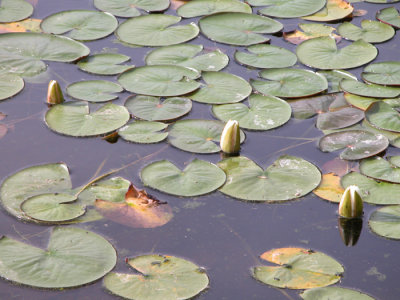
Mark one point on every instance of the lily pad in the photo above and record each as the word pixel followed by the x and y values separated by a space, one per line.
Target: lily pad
pixel 143 132
pixel 266 56
pixel 14 10
pixel 322 53
pixel 334 292
pixel 160 278
pixel 372 191
pixel 160 80
pixel 73 257
pixel 381 169
pixel 198 178
pixel 153 109
pixel 290 83
pixel 94 90
pixel 288 8
pixel 263 113
pixel 105 64
pixel 330 188
pixel 207 7
pixel 370 31
pixel 334 77
pixel 75 119
pixel 393 137
pixel 357 144
pixel 288 178
pixel 383 116
pixel 360 101
pixel 10 85
pixel 130 8
pixel 386 222
pixel 22 53
pixel 333 10
pixel 198 136
pixel 298 269
pixel 156 30
pixel 221 88
pixel 189 56
pixel 369 90
pixel 82 25
pixel 310 31
pixel 389 16
pixel 238 28
pixel 386 73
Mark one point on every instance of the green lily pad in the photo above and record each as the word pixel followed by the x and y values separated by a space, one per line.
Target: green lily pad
pixel 73 257
pixel 156 30
pixel 372 191
pixel 238 28
pixel 310 31
pixel 389 16
pixel 14 10
pixel 386 222
pixel 288 178
pixel 143 132
pixel 263 113
pixel 22 53
pixel 288 8
pixel 198 178
pixel 94 90
pixel 207 7
pixel 10 85
pixel 82 25
pixel 75 119
pixel 370 31
pixel 130 8
pixel 322 53
pixel 105 64
pixel 298 269
pixel 386 73
pixel 393 137
pixel 53 208
pixel 163 81
pixel 381 169
pixel 309 107
pixel 360 101
pixel 198 136
pixel 290 83
pixel 334 77
pixel 189 56
pixel 383 116
pixel 357 144
pixel 160 278
pixel 152 109
pixel 266 56
pixel 221 88
pixel 333 10
pixel 334 292
pixel 369 90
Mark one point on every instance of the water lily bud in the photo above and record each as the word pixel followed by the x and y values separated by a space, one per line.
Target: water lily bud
pixel 54 93
pixel 230 137
pixel 351 204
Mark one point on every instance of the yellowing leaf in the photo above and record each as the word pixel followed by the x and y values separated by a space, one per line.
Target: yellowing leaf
pixel 177 3
pixel 330 188
pixel 28 25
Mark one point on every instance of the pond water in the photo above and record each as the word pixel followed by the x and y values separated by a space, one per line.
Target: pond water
pixel 224 235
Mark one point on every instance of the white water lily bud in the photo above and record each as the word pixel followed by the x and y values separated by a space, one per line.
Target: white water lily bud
pixel 54 93
pixel 230 137
pixel 351 204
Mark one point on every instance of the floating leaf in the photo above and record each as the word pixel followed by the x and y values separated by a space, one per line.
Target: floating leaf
pixel 389 16
pixel 359 101
pixel 238 28
pixel 221 88
pixel 197 136
pixel 357 144
pixel 198 178
pixel 333 10
pixel 75 119
pixel 334 77
pixel 143 132
pixel 322 53
pixel 386 222
pixel 129 8
pixel 263 113
pixel 73 257
pixel 160 80
pixel 381 169
pixel 383 116
pixel 369 90
pixel 393 137
pixel 82 25
pixel 309 107
pixel 334 292
pixel 160 277
pixel 105 64
pixel 14 10
pixel 94 90
pixel 207 7
pixel 310 31
pixel 288 8
pixel 189 56
pixel 10 85
pixel 330 188
pixel 290 83
pixel 152 109
pixel 156 30
pixel 299 269
pixel 289 177
pixel 370 31
pixel 266 56
pixel 32 25
pixel 386 73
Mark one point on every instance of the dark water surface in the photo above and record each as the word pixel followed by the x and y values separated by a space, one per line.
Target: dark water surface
pixel 224 235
